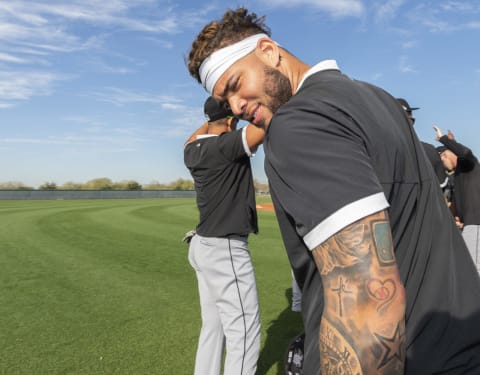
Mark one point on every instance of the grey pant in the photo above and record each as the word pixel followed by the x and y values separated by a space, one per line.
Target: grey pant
pixel 296 295
pixel 471 235
pixel 229 306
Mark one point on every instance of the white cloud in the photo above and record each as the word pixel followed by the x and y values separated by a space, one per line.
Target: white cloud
pixel 24 85
pixel 447 16
pixel 405 67
pixel 6 57
pixel 388 10
pixel 409 44
pixel 121 97
pixel 101 66
pixel 118 13
pixel 20 10
pixel 30 141
pixel 34 33
pixel 459 6
pixel 50 27
pixel 436 25
pixel 473 25
pixel 76 140
pixel 40 39
pixel 87 123
pixel 28 51
pixel 337 8
pixel 174 106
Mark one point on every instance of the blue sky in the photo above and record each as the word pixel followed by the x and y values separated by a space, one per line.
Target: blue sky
pixel 92 88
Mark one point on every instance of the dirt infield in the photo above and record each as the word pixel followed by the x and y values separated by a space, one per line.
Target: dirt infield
pixel 267 206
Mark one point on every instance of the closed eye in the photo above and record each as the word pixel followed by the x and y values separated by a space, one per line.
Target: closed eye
pixel 230 86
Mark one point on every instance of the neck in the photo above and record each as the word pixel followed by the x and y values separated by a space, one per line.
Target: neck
pixel 294 69
pixel 217 129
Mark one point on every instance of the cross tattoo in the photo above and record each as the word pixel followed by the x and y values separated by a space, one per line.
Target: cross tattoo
pixel 341 289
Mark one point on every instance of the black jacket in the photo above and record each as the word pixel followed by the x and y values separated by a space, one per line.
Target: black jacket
pixel 466 196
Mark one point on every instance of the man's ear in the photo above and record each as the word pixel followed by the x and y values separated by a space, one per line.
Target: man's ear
pixel 268 52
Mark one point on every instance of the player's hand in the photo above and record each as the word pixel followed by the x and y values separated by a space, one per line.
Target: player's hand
pixel 458 222
pixel 450 135
pixel 188 236
pixel 438 131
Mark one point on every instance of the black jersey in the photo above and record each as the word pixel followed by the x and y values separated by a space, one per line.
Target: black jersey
pixel 435 161
pixel 222 174
pixel 340 150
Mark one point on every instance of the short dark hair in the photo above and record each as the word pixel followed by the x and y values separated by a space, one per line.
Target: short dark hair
pixel 234 26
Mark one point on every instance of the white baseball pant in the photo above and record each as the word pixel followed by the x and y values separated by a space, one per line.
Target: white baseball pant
pixel 229 306
pixel 471 235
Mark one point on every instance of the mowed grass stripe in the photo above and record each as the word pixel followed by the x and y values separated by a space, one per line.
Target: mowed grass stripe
pixel 104 286
pixel 77 275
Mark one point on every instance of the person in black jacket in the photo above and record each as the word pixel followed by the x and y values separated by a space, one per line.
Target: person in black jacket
pixel 430 150
pixel 460 159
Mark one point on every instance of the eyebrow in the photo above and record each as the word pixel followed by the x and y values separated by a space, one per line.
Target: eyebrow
pixel 227 87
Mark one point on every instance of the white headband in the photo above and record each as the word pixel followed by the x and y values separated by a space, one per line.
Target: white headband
pixel 218 62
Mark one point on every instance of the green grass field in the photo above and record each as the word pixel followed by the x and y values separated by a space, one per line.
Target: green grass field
pixel 105 287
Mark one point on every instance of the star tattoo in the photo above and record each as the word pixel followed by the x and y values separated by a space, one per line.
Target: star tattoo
pixel 392 346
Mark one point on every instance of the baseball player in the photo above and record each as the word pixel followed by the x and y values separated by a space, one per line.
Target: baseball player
pixel 218 157
pixel 388 285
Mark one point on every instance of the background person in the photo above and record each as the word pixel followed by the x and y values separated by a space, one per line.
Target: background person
pixel 218 157
pixel 296 295
pixel 430 149
pixel 341 159
pixel 460 160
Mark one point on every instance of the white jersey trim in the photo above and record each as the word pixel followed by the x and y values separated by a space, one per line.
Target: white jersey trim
pixel 322 65
pixel 245 143
pixel 343 217
pixel 201 136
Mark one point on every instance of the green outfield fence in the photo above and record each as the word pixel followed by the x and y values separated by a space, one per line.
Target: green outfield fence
pixel 93 194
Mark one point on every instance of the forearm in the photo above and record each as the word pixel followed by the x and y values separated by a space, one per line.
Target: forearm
pixel 348 347
pixel 363 324
pixel 254 136
pixel 457 148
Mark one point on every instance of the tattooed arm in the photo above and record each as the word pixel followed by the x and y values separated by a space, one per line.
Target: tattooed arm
pixel 363 324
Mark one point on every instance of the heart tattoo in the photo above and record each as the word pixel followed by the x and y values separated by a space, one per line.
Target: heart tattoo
pixel 382 291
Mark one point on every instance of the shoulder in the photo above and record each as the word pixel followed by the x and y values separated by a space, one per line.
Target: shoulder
pixel 230 137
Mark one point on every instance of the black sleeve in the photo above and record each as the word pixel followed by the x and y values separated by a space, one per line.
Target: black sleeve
pixel 231 145
pixel 322 172
pixel 464 153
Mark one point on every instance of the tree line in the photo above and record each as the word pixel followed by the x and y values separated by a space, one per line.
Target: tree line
pixel 105 183
pixel 102 183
